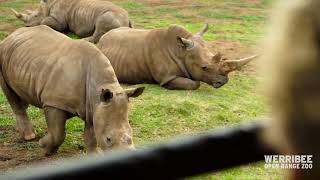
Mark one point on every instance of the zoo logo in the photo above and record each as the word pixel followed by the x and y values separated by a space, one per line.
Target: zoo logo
pixel 288 161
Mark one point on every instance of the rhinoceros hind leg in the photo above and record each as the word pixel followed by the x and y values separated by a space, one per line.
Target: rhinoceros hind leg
pixel 181 83
pixel 104 24
pixel 23 125
pixel 56 120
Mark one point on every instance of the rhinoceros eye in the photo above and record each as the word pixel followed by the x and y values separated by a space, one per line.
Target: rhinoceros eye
pixel 204 67
pixel 109 141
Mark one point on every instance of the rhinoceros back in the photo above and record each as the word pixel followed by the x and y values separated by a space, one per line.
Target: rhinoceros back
pixel 46 68
pixel 83 16
pixel 126 49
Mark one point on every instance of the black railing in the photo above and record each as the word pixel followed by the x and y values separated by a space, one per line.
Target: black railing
pixel 184 157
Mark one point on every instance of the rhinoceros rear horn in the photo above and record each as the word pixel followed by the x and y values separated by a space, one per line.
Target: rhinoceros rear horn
pixel 203 30
pixel 131 24
pixel 29 12
pixel 233 65
pixel 19 15
pixel 217 57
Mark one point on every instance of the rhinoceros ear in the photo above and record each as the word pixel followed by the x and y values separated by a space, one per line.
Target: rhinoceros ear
pixel 134 92
pixel 106 95
pixel 185 43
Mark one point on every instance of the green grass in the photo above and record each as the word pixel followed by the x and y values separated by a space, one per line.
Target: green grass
pixel 193 111
pixel 160 114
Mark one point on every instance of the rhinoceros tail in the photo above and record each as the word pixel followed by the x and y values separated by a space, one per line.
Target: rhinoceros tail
pixel 1 56
pixel 1 75
pixel 131 24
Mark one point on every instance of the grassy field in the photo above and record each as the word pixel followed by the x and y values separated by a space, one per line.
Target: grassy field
pixel 159 114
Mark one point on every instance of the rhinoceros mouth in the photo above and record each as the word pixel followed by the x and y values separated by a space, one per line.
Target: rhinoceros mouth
pixel 217 84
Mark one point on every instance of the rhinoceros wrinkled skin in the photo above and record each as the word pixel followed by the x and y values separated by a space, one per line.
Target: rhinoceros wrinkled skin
pixel 86 18
pixel 171 57
pixel 66 78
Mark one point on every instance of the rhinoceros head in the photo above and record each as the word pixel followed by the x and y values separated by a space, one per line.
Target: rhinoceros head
pixel 202 65
pixel 33 18
pixel 110 120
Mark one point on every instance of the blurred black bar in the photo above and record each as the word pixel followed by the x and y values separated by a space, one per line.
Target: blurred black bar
pixel 184 157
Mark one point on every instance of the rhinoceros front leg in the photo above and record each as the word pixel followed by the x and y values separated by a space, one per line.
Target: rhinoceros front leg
pixel 56 120
pixel 89 138
pixel 103 24
pixel 23 125
pixel 181 83
pixel 53 23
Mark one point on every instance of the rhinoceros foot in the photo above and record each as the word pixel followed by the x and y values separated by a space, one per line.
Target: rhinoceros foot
pixel 29 136
pixel 48 144
pixel 24 127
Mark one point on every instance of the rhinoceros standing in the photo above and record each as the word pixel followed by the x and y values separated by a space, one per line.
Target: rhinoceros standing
pixel 86 18
pixel 66 78
pixel 171 57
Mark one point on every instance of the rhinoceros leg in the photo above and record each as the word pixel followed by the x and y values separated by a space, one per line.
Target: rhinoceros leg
pixel 89 138
pixel 104 24
pixel 56 120
pixel 53 23
pixel 23 125
pixel 181 83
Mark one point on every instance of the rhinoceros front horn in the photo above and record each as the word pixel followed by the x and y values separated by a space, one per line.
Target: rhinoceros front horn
pixel 203 30
pixel 233 65
pixel 19 15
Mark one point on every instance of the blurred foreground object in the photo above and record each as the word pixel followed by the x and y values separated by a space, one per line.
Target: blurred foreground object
pixel 181 158
pixel 291 67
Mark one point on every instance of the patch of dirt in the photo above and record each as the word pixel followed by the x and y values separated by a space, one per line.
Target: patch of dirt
pixel 235 50
pixel 16 153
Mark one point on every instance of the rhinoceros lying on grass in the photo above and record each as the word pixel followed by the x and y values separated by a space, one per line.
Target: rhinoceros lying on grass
pixel 86 18
pixel 66 78
pixel 172 57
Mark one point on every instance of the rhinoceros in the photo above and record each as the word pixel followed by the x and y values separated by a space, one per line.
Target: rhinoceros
pixel 170 56
pixel 86 18
pixel 65 78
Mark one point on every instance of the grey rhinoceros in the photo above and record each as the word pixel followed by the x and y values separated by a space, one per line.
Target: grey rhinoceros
pixel 66 78
pixel 170 56
pixel 86 18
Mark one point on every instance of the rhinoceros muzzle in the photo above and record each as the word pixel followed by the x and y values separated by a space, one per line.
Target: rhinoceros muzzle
pixel 219 83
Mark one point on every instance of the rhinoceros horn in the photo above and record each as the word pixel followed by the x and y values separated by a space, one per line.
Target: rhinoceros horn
pixel 21 16
pixel 29 11
pixel 203 30
pixel 233 65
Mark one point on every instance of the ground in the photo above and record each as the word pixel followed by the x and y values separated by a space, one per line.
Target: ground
pixel 236 28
